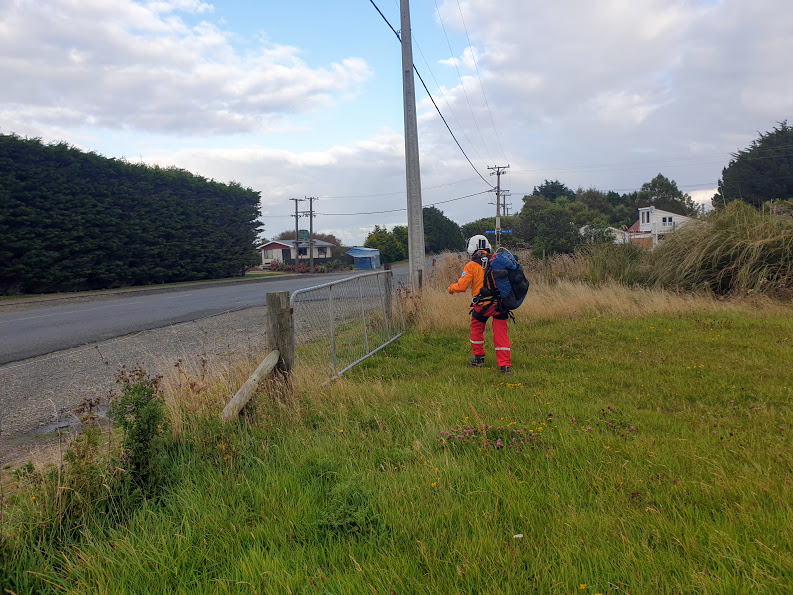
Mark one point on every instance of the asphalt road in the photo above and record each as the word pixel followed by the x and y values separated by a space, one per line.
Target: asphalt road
pixel 35 329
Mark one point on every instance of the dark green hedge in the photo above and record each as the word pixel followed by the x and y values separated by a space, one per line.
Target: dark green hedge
pixel 71 220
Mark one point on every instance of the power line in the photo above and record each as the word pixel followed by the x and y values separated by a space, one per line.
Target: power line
pixel 440 88
pixel 400 191
pixel 462 84
pixel 447 126
pixel 476 65
pixel 440 202
pixel 431 99
pixel 693 160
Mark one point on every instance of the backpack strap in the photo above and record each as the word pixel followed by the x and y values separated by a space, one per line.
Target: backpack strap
pixel 490 284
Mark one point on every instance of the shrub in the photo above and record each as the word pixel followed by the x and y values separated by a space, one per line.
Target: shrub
pixel 275 265
pixel 138 411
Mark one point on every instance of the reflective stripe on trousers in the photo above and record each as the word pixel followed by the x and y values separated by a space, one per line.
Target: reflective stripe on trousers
pixel 500 335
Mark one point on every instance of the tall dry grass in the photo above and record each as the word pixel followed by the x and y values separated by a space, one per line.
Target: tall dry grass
pixel 200 387
pixel 558 290
pixel 736 251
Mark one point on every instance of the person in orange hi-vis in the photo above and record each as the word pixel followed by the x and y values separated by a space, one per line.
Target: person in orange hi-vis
pixel 483 306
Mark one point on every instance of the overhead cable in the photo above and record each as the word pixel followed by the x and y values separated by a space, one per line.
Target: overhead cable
pixel 433 100
pixel 476 65
pixel 400 191
pixel 440 202
pixel 462 84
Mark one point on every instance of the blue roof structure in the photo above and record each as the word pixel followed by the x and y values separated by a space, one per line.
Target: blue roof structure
pixel 358 251
pixel 365 258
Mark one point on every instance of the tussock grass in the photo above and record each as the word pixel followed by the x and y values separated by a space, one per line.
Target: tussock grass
pixel 737 250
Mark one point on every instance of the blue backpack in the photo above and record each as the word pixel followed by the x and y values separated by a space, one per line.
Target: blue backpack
pixel 505 279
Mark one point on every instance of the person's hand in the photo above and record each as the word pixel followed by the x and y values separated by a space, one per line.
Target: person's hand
pixel 450 290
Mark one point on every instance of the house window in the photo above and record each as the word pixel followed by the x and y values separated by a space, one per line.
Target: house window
pixel 645 217
pixel 322 251
pixel 302 251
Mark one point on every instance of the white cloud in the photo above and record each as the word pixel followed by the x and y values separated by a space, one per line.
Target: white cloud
pixel 139 66
pixel 605 94
pixel 579 82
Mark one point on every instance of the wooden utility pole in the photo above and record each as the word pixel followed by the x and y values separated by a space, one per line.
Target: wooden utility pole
pixel 297 232
pixel 497 171
pixel 311 200
pixel 412 173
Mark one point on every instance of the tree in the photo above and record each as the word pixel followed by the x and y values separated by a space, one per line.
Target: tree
pixel 511 241
pixel 440 232
pixel 525 225
pixel 552 191
pixel 391 249
pixel 556 232
pixel 762 172
pixel 401 235
pixel 71 220
pixel 597 232
pixel 325 237
pixel 663 193
pixel 594 200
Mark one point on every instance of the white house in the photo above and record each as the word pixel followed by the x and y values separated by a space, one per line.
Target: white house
pixel 653 224
pixel 284 251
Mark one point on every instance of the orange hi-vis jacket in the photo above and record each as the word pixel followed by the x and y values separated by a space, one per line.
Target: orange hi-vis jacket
pixel 473 276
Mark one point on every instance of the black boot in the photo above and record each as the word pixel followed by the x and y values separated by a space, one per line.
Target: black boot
pixel 477 360
pixel 506 370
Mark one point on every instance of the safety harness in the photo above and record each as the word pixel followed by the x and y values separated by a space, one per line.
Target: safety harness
pixel 489 292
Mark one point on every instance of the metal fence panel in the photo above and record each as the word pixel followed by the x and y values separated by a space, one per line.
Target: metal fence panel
pixel 339 324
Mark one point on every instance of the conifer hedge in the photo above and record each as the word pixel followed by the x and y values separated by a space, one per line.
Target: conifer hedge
pixel 71 220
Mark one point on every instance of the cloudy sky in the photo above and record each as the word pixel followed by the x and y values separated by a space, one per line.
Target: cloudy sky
pixel 304 98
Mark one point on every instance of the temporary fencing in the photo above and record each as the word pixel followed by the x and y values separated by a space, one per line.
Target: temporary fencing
pixel 339 324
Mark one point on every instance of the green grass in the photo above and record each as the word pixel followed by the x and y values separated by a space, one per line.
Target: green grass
pixel 656 459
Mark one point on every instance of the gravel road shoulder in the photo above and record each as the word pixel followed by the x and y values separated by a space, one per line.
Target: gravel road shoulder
pixel 39 395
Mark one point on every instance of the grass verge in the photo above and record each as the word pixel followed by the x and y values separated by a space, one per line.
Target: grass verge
pixel 642 446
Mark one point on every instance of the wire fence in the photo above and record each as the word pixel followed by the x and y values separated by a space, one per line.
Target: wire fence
pixel 339 324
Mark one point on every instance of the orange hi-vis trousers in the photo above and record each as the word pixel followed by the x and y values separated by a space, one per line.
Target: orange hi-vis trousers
pixel 500 333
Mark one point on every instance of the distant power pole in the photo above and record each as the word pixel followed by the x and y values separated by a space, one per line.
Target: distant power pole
pixel 497 171
pixel 311 200
pixel 412 173
pixel 297 231
pixel 505 194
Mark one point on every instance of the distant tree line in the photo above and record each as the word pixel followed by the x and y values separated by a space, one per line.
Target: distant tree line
pixel 549 220
pixel 71 220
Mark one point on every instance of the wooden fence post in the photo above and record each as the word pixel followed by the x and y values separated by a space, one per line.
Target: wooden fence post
pixel 279 329
pixel 232 410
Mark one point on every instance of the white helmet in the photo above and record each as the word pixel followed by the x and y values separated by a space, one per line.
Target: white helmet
pixel 478 243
